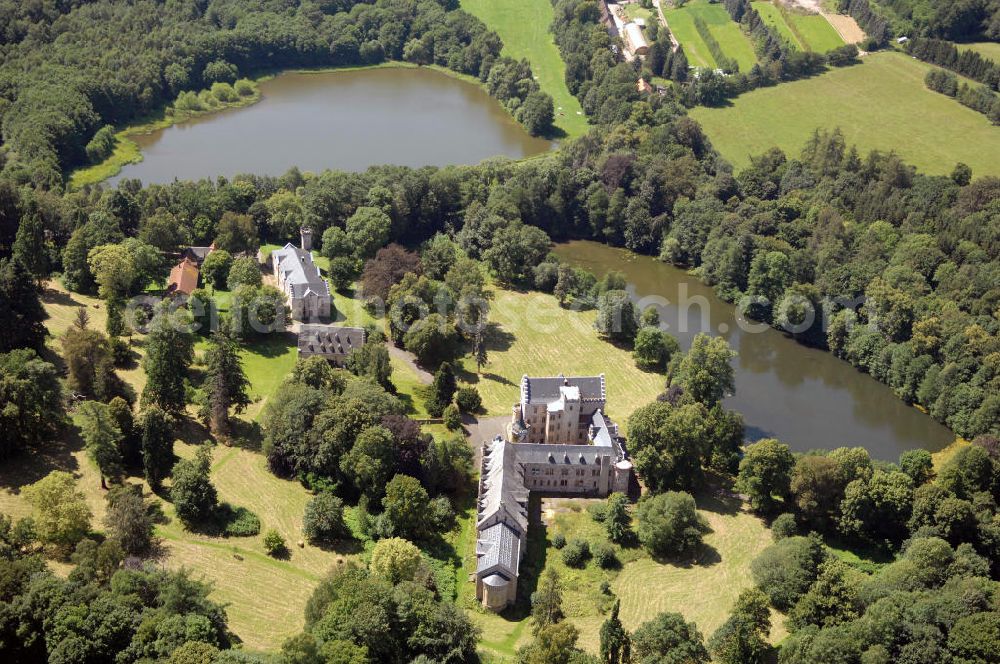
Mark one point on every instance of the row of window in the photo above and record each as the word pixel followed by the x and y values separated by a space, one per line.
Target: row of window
pixel 535 470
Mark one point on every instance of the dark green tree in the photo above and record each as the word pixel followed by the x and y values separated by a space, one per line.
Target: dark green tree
pixel 766 474
pixel 102 438
pixel 226 383
pixel 669 524
pixel 668 639
pixel 156 440
pixel 20 308
pixel 192 492
pixel 615 643
pixel 169 350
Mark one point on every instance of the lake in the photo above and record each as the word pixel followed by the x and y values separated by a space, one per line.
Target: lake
pixel 346 120
pixel 805 397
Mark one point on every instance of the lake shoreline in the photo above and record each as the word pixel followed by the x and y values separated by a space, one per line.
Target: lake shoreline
pixel 128 152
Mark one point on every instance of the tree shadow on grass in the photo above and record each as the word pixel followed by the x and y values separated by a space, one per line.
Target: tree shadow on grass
pixel 35 463
pixel 704 555
pixel 274 344
pixel 245 435
pixel 192 432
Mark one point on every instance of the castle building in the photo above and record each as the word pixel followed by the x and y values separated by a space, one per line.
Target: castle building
pixel 559 443
pixel 299 277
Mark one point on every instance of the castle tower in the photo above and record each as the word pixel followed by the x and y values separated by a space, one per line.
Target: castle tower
pixel 307 238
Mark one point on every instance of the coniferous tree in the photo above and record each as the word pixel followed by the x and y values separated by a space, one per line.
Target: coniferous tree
pixel 20 309
pixel 102 437
pixel 156 441
pixel 30 250
pixel 192 492
pixel 479 351
pixel 617 521
pixel 546 601
pixel 443 389
pixel 615 644
pixel 225 381
pixel 168 355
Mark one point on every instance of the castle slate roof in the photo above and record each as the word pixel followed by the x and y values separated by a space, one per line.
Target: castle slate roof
pixel 499 547
pixel 299 272
pixel 502 495
pixel 315 339
pixel 546 390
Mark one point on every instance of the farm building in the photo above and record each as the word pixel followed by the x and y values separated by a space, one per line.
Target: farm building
pixel 183 277
pixel 635 40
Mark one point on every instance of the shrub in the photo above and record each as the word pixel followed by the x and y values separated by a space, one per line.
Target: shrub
pixel 274 543
pixel 224 92
pixel 784 526
pixel 121 353
pixel 598 511
pixel 575 553
pixel 441 514
pixel 239 521
pixel 558 540
pixel 189 101
pixel 452 420
pixel 244 87
pixel 468 400
pixel 323 520
pixel 604 555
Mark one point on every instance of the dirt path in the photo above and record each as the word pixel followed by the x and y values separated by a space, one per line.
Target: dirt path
pixel 407 357
pixel 663 21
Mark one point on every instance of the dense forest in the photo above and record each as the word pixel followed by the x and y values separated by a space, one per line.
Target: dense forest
pixel 66 74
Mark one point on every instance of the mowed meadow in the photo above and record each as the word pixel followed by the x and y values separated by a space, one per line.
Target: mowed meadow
pixel 531 334
pixel 805 31
pixel 732 41
pixel 880 104
pixel 523 26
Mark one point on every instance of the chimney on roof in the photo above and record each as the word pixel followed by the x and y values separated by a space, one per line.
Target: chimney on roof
pixel 307 238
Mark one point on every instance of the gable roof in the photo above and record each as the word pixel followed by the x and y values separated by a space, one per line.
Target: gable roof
pixel 329 339
pixel 183 277
pixel 198 254
pixel 299 273
pixel 498 548
pixel 502 495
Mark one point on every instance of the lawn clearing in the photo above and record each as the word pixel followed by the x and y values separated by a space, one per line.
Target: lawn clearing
pixel 523 26
pixel 534 335
pixel 734 43
pixel 771 15
pixel 989 50
pixel 816 31
pixel 879 104
pixel 703 592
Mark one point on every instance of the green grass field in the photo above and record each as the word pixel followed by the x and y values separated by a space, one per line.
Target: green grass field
pixel 734 43
pixel 989 50
pixel 880 104
pixel 806 32
pixel 702 592
pixel 535 336
pixel 772 16
pixel 816 31
pixel 523 25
